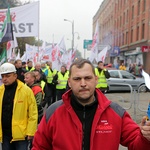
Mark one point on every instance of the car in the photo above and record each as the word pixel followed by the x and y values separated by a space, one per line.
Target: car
pixel 121 80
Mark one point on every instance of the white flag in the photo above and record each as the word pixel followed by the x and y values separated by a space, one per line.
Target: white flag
pixel 10 46
pixel 95 43
pixel 146 78
pixel 102 54
pixel 18 55
pixel 62 46
pixel 25 19
pixel 24 57
pixel 31 51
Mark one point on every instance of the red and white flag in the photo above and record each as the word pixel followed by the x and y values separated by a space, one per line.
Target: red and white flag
pixel 10 46
pixel 56 57
pixel 42 51
pixel 35 58
pixel 25 19
pixel 73 54
pixel 55 53
pixel 102 54
pixel 95 43
pixel 31 51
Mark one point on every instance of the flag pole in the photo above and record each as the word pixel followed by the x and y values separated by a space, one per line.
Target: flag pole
pixel 38 29
pixel 6 34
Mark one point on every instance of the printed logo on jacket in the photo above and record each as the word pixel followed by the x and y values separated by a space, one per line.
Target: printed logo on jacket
pixel 104 127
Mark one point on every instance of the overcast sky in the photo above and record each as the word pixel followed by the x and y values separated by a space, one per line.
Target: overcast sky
pixel 53 26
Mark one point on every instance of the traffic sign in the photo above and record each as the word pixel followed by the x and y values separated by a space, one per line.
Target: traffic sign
pixel 86 43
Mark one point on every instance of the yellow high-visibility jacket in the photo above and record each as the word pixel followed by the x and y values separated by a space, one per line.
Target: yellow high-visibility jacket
pixel 51 75
pixel 30 69
pixel 25 115
pixel 63 80
pixel 102 82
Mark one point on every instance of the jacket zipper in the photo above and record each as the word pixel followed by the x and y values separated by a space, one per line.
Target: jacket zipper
pixel 83 126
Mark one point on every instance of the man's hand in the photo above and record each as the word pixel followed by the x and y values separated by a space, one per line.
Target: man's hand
pixel 145 128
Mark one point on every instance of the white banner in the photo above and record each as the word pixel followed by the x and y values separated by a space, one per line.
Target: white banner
pixel 25 19
pixel 147 79
pixel 95 43
pixel 102 55
pixel 31 51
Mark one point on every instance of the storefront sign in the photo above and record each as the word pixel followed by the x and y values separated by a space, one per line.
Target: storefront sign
pixel 145 48
pixel 133 52
pixel 115 51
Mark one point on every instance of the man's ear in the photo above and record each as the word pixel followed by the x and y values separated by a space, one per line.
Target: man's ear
pixel 69 82
pixel 16 75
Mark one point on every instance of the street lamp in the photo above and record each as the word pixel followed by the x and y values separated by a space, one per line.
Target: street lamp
pixel 78 37
pixel 72 22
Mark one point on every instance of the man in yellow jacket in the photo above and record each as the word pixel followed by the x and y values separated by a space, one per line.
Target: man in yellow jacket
pixel 18 110
pixel 102 74
pixel 60 80
pixel 122 67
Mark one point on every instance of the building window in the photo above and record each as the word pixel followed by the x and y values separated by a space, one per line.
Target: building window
pixel 143 30
pixel 132 12
pixel 124 15
pixel 115 7
pixel 139 7
pixel 120 38
pixel 120 21
pixel 127 16
pixel 137 33
pixel 120 4
pixel 144 5
pixel 131 35
pixel 126 37
pixel 123 39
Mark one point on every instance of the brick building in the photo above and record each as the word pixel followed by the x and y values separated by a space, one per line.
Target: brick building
pixel 125 24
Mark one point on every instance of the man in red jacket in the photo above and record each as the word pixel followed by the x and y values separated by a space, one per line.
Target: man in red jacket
pixel 86 119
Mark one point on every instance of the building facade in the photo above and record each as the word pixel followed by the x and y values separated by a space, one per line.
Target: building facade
pixel 125 24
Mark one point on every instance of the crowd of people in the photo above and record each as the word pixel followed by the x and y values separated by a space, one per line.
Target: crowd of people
pixel 133 68
pixel 78 115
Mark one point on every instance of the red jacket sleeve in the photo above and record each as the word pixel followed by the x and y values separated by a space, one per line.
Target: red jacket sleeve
pixel 131 136
pixel 42 140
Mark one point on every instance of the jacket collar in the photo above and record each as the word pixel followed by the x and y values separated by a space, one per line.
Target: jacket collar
pixel 103 102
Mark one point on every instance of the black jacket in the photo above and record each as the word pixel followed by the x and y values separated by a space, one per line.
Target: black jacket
pixel 20 74
pixel 7 108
